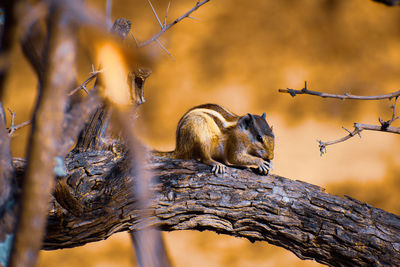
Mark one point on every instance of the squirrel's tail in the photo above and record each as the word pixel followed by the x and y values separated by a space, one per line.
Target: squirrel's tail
pixel 166 154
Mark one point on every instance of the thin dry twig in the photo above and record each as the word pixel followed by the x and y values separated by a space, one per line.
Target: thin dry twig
pixel 166 14
pixel 134 39
pixel 155 14
pixel 14 127
pixel 84 84
pixel 166 27
pixel 359 127
pixel 165 49
pixel 305 91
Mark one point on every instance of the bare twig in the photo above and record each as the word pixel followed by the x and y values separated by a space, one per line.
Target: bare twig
pixel 14 127
pixel 84 84
pixel 134 39
pixel 165 49
pixel 358 128
pixel 166 14
pixel 305 91
pixel 166 27
pixel 155 14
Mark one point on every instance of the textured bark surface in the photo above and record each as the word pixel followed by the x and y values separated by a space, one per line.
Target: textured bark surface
pixel 95 201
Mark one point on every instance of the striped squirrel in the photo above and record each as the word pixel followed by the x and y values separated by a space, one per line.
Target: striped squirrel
pixel 213 135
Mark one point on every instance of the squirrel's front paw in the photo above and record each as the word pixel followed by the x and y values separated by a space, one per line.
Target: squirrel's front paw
pixel 218 168
pixel 265 167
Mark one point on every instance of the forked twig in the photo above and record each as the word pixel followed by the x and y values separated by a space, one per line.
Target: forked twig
pixel 359 127
pixel 305 91
pixel 14 127
pixel 84 84
pixel 164 28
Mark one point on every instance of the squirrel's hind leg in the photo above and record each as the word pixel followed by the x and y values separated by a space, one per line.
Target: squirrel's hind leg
pixel 206 158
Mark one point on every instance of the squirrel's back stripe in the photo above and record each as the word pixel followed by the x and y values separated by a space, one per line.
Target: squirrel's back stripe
pixel 222 118
pixel 227 115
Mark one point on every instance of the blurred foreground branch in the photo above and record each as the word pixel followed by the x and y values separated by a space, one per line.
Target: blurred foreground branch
pixel 58 76
pixel 389 2
pixel 96 200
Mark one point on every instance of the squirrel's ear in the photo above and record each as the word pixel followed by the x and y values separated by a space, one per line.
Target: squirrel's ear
pixel 246 120
pixel 264 116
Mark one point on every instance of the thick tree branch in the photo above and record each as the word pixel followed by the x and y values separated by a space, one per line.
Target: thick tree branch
pixel 96 201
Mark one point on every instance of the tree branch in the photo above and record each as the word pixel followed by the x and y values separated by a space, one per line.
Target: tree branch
pixel 164 28
pixel 305 91
pixel 93 75
pixel 96 200
pixel 359 127
pixel 14 127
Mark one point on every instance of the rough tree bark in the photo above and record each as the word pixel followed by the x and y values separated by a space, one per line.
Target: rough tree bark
pixel 96 200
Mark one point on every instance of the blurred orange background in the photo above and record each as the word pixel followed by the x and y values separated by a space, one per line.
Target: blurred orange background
pixel 238 54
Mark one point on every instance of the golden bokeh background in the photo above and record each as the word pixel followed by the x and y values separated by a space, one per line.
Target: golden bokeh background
pixel 238 54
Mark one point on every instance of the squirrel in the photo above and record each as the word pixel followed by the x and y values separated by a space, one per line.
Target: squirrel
pixel 215 136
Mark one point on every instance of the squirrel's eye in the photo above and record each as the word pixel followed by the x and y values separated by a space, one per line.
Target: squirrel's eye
pixel 259 138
